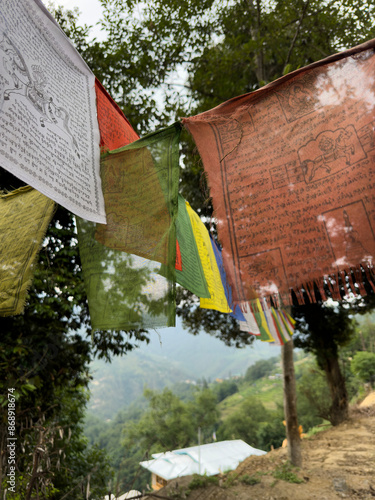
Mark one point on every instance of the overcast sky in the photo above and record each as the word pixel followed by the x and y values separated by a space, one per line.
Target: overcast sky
pixel 90 11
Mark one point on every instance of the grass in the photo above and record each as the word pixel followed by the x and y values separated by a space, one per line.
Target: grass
pixel 286 472
pixel 250 480
pixel 230 480
pixel 317 429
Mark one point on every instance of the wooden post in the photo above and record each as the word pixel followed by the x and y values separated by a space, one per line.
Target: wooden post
pixel 290 405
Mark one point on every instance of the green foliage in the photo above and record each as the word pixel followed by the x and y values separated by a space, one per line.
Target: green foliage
pixel 222 326
pixel 170 423
pixel 260 369
pixel 230 479
pixel 363 366
pixel 268 431
pixel 199 481
pixel 317 429
pixel 165 426
pixel 225 389
pixel 364 340
pixel 62 464
pixel 249 480
pixel 322 329
pixel 287 472
pixel 233 478
pixel 124 460
pixel 245 422
pixel 313 396
pixel 255 425
pixel 272 432
pixel 226 48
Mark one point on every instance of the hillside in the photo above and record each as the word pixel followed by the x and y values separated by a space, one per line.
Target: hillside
pixel 337 463
pixel 172 356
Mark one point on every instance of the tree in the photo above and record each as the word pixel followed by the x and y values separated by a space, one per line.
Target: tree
pixel 124 459
pixel 260 369
pixel 225 389
pixel 314 399
pixel 254 424
pixel 225 48
pixel 322 329
pixel 61 464
pixel 170 423
pixel 363 366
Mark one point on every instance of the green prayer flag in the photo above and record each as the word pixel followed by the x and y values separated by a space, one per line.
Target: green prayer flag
pixel 124 291
pixel 140 187
pixel 191 276
pixel 121 260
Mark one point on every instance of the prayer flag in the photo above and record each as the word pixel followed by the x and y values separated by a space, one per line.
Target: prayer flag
pixel 249 324
pixel 24 217
pixel 284 332
pixel 290 172
pixel 236 309
pixel 115 129
pixel 273 326
pixel 191 275
pixel 265 334
pixel 50 133
pixel 217 298
pixel 121 261
pixel 124 291
pixel 140 186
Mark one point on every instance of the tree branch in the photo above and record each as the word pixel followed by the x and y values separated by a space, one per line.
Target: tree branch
pixel 205 94
pixel 256 33
pixel 296 35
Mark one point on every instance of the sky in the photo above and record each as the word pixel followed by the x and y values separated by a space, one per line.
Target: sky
pixel 90 11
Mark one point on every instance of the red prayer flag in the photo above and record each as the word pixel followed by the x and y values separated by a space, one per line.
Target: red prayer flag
pixel 115 129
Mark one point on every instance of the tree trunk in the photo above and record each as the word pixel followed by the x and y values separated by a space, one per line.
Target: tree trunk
pixel 290 405
pixel 339 410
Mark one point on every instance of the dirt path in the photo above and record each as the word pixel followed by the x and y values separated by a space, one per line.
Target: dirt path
pixel 337 463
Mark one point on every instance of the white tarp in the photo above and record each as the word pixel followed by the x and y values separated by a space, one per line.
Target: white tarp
pixel 49 130
pixel 210 459
pixel 125 496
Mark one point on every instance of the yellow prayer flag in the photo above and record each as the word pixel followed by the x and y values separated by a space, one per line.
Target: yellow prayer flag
pixel 24 217
pixel 211 271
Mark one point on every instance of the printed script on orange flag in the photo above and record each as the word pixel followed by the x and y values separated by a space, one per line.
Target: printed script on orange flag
pixel 291 173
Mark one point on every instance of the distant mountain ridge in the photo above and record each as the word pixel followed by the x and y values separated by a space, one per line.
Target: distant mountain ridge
pixel 173 355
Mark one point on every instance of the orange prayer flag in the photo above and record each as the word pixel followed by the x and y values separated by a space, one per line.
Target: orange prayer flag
pixel 290 170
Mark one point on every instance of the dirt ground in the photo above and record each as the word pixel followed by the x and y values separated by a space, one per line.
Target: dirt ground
pixel 337 463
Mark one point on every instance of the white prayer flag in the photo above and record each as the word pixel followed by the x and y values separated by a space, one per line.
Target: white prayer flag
pixel 49 128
